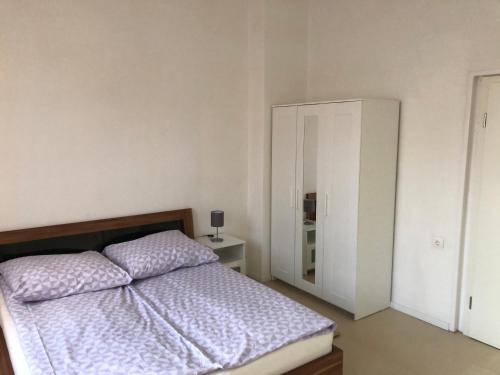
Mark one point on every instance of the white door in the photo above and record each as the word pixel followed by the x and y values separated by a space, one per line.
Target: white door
pixel 308 227
pixel 283 192
pixel 484 287
pixel 339 155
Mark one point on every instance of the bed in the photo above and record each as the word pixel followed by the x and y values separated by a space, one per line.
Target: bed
pixel 312 354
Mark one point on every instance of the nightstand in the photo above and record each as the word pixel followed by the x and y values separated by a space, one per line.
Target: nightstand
pixel 231 251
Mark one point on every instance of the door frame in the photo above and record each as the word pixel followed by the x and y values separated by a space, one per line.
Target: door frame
pixel 460 311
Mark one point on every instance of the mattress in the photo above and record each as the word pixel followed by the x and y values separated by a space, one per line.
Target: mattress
pixel 286 358
pixel 216 321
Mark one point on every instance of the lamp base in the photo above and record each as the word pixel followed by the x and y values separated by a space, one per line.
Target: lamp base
pixel 216 238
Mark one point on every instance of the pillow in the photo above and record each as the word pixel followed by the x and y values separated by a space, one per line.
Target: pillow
pixel 43 277
pixel 159 253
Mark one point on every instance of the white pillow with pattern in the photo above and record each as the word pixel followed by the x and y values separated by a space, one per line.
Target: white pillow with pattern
pixel 43 277
pixel 159 253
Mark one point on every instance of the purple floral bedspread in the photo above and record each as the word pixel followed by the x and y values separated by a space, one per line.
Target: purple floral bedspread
pixel 190 321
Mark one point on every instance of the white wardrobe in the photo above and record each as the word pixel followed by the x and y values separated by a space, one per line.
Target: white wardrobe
pixel 333 197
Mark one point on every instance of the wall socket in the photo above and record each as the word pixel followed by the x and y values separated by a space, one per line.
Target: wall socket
pixel 438 242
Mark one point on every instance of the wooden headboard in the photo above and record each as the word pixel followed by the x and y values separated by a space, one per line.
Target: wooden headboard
pixel 91 235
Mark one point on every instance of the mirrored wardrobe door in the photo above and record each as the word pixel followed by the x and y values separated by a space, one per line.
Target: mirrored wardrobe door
pixel 306 254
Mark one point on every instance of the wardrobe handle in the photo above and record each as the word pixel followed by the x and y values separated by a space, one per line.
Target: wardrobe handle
pixel 326 204
pixel 297 197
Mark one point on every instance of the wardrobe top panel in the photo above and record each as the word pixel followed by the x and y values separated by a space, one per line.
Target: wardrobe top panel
pixel 334 101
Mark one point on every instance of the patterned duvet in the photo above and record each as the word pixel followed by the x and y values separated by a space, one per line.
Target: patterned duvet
pixel 190 321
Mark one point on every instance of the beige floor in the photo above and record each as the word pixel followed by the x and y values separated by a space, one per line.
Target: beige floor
pixel 392 343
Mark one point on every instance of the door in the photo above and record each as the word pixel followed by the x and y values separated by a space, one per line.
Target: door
pixel 308 227
pixel 283 192
pixel 484 245
pixel 339 156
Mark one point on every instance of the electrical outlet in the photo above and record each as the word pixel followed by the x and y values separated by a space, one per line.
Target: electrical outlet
pixel 438 242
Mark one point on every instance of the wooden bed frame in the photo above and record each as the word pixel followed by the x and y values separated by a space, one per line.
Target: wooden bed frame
pixel 77 237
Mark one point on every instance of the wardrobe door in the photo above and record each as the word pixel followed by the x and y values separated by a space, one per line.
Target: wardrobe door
pixel 308 253
pixel 283 193
pixel 339 157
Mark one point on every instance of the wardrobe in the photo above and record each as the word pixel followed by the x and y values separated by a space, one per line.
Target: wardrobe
pixel 333 199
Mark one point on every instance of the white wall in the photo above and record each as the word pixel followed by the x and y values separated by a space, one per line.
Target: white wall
pixel 119 107
pixel 115 107
pixel 277 74
pixel 256 135
pixel 420 52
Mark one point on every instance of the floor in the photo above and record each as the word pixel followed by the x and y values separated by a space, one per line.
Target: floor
pixel 393 343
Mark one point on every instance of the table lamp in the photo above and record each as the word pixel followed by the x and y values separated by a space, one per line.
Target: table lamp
pixel 217 221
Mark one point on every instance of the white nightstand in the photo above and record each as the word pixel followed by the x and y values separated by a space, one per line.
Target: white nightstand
pixel 231 251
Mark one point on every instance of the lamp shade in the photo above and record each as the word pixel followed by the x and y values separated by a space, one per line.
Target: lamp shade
pixel 217 218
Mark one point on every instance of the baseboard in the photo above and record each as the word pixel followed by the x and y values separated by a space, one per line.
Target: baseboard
pixel 254 276
pixel 421 316
pixel 265 279
pixel 259 278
